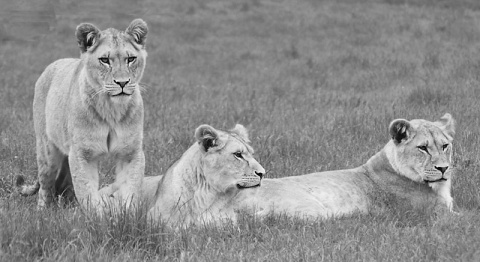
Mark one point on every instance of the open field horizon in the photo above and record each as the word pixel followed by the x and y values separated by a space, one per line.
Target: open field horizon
pixel 316 82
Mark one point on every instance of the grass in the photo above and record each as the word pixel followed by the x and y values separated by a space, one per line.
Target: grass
pixel 317 82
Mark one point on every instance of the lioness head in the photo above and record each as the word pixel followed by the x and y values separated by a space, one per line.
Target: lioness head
pixel 114 60
pixel 227 159
pixel 423 149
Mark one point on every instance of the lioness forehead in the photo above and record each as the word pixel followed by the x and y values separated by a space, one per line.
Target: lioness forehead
pixel 430 130
pixel 236 138
pixel 115 39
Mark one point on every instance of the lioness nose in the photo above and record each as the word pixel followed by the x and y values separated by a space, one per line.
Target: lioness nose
pixel 122 84
pixel 259 174
pixel 441 168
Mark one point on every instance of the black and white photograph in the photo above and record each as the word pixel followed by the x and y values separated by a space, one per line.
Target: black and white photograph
pixel 240 130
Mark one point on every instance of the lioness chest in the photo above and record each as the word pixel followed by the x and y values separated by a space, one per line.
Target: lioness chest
pixel 72 121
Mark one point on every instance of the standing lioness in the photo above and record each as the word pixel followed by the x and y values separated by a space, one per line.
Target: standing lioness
pixel 89 107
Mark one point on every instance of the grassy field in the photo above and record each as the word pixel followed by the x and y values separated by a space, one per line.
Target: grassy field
pixel 316 82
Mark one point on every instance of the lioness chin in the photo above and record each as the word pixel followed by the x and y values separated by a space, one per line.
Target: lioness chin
pixel 88 107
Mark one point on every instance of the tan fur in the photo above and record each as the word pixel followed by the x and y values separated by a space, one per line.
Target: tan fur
pixel 80 114
pixel 400 171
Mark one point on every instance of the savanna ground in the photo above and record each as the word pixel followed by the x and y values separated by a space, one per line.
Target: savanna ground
pixel 317 82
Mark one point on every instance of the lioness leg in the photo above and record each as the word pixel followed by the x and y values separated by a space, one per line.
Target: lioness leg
pixel 49 161
pixel 443 191
pixel 85 179
pixel 129 175
pixel 63 185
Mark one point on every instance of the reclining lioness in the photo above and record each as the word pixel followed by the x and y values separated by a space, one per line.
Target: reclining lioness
pixel 414 166
pixel 202 185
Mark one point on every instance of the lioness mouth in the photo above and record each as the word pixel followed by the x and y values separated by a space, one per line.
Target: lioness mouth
pixel 243 187
pixel 433 181
pixel 122 94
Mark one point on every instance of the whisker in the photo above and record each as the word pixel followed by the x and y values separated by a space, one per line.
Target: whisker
pixel 99 92
pixel 144 87
pixel 93 94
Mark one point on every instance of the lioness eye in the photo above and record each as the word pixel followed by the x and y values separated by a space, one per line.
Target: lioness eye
pixel 423 148
pixel 104 60
pixel 444 146
pixel 131 59
pixel 238 154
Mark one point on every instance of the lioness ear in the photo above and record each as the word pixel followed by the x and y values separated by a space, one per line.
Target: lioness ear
pixel 400 129
pixel 138 30
pixel 86 34
pixel 241 131
pixel 207 136
pixel 448 124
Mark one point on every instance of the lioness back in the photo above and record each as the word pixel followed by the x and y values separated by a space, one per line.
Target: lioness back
pixel 323 194
pixel 55 77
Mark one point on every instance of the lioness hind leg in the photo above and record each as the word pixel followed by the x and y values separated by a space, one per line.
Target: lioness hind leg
pixel 64 185
pixel 49 161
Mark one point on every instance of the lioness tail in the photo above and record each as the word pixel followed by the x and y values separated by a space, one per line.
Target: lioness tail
pixel 26 190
